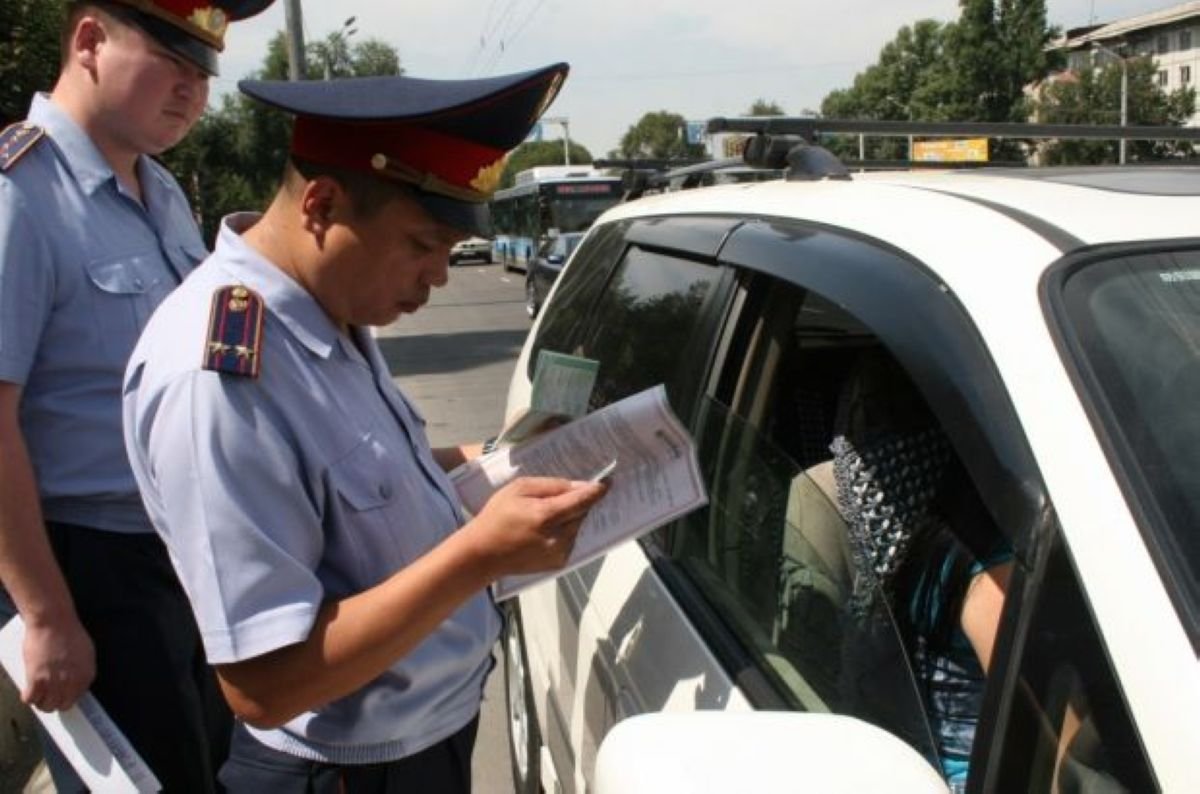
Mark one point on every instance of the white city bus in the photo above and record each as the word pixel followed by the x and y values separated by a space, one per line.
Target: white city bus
pixel 563 198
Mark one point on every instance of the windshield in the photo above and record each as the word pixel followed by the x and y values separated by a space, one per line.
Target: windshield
pixel 1135 320
pixel 573 208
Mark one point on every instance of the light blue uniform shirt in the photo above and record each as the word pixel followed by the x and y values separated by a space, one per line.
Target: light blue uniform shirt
pixel 82 267
pixel 311 483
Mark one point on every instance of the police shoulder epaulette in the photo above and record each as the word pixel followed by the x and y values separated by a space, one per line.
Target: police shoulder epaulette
pixel 235 332
pixel 16 140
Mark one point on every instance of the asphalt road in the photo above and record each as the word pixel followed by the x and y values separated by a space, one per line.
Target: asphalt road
pixel 454 359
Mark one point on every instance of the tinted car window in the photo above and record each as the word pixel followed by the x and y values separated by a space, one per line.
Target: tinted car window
pixel 1069 728
pixel 578 293
pixel 771 554
pixel 647 319
pixel 640 327
pixel 1135 319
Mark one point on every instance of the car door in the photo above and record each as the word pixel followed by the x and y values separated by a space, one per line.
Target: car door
pixel 764 579
pixel 606 640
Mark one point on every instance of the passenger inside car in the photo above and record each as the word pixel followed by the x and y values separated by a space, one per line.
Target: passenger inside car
pixel 920 538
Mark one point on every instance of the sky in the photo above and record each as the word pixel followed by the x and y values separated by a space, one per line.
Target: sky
pixel 697 58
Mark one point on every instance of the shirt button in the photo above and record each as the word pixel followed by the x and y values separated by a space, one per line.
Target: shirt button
pixel 385 491
pixel 138 283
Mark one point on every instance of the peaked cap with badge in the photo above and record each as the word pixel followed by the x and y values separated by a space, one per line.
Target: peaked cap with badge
pixel 194 29
pixel 445 139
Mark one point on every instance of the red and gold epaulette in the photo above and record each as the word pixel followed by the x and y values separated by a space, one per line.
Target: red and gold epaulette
pixel 235 332
pixel 16 140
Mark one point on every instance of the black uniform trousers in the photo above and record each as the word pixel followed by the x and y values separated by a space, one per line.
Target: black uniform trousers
pixel 151 673
pixel 444 768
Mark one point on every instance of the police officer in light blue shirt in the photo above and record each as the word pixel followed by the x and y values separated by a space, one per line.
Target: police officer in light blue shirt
pixel 94 234
pixel 339 588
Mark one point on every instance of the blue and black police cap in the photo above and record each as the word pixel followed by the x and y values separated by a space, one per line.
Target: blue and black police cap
pixel 445 139
pixel 193 29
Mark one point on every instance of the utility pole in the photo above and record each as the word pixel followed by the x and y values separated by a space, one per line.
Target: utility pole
pixel 1124 90
pixel 295 39
pixel 566 125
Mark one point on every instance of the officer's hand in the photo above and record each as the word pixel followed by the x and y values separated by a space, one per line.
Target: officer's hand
pixel 60 663
pixel 530 524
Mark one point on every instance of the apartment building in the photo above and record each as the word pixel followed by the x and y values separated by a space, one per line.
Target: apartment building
pixel 1171 36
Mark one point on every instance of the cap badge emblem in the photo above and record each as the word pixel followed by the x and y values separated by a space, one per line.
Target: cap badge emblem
pixel 488 178
pixel 211 20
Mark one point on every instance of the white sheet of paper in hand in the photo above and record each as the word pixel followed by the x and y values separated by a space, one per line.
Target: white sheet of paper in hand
pixel 86 735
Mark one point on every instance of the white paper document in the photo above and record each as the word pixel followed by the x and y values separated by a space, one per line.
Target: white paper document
pixel 655 479
pixel 86 735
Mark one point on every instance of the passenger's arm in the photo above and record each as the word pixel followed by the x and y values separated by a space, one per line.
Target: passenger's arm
pixel 527 526
pixel 59 658
pixel 982 605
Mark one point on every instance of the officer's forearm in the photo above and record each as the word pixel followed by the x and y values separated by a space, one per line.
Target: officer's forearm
pixel 356 639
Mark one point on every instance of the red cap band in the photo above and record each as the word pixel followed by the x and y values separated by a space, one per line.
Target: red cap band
pixel 457 162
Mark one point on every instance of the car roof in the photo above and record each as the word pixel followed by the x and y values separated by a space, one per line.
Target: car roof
pixel 944 218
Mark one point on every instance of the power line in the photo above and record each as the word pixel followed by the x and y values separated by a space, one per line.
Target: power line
pixel 483 29
pixel 575 78
pixel 507 30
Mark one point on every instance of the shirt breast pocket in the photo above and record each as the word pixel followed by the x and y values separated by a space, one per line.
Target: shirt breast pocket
pixel 368 530
pixel 126 290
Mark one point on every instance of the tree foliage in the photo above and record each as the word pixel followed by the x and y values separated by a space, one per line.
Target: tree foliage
pixel 29 53
pixel 234 157
pixel 333 57
pixel 1094 97
pixel 973 69
pixel 534 153
pixel 659 135
pixel 763 107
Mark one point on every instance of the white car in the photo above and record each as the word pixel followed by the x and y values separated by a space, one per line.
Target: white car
pixel 1049 321
pixel 475 249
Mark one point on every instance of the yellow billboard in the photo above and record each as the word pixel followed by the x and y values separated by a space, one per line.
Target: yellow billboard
pixel 961 150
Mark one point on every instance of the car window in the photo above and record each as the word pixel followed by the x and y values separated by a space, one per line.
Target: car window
pixel 568 244
pixel 578 292
pixel 1068 727
pixel 773 554
pixel 640 328
pixel 648 319
pixel 1135 321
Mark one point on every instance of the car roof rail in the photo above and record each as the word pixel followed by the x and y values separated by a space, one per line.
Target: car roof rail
pixel 791 142
pixel 799 159
pixel 810 128
pixel 642 175
pixel 646 163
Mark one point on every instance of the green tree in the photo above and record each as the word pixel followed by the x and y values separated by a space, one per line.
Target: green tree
pixel 763 107
pixel 535 153
pixel 903 85
pixel 659 135
pixel 973 69
pixel 375 57
pixel 994 50
pixel 234 157
pixel 1093 96
pixel 29 53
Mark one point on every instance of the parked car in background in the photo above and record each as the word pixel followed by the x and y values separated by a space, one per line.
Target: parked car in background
pixel 1048 322
pixel 472 249
pixel 543 271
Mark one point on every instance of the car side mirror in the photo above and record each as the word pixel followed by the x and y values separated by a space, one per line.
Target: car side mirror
pixel 555 259
pixel 767 752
